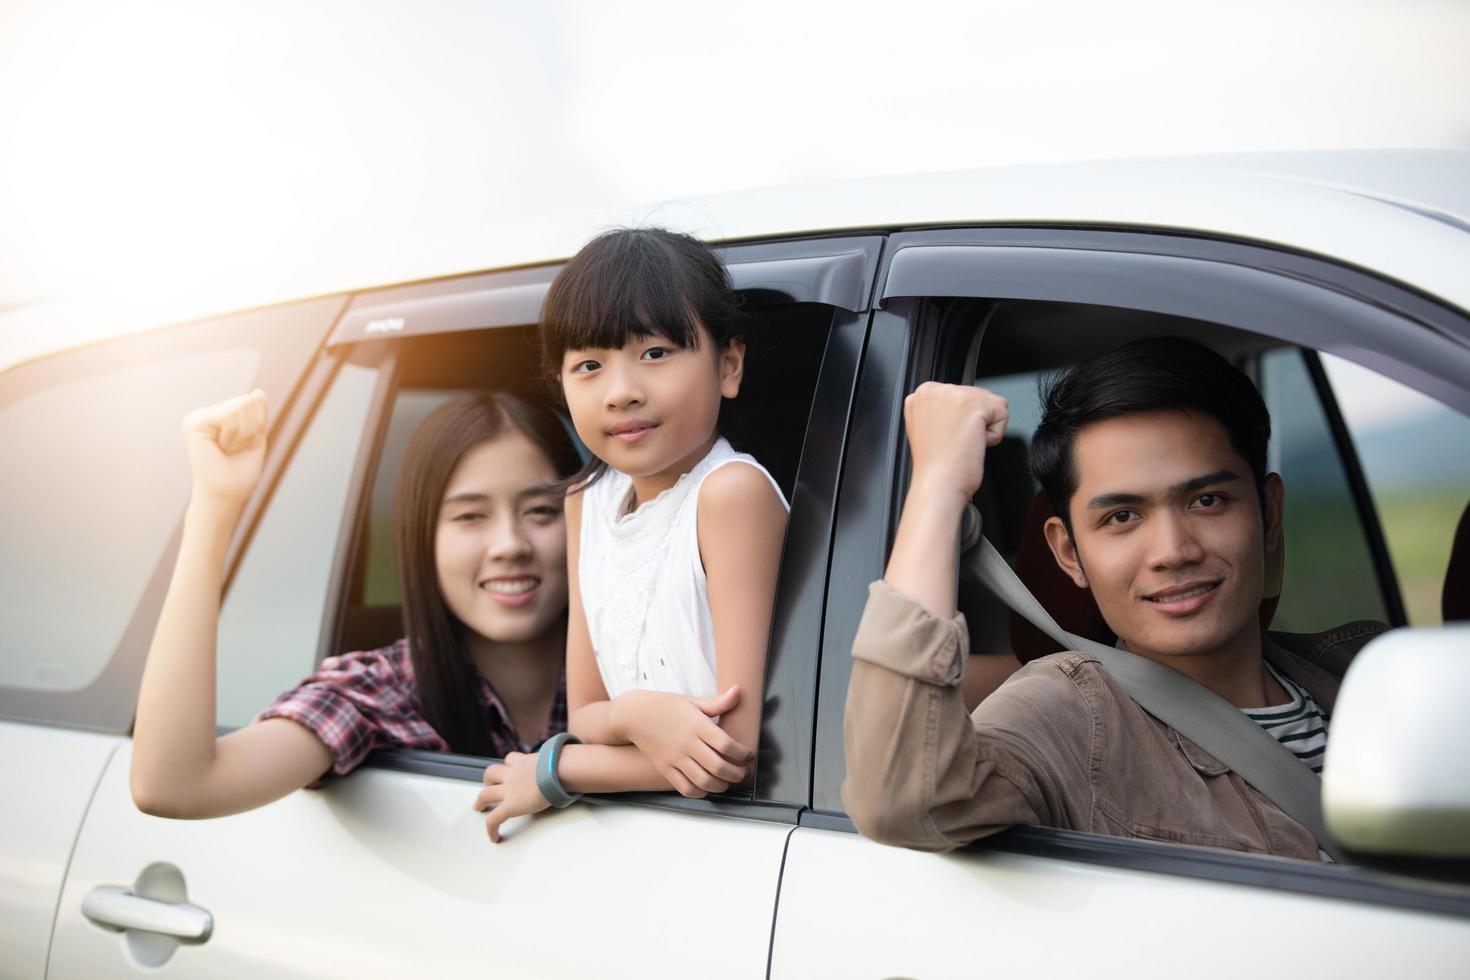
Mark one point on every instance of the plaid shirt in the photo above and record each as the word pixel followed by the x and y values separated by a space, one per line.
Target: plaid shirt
pixel 359 702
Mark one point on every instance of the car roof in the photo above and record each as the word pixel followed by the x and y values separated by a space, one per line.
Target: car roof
pixel 1401 214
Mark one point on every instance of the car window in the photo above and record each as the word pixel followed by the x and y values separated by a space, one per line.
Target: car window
pixel 380 574
pixel 430 371
pixel 96 484
pixel 1003 501
pixel 1415 454
pixel 271 622
pixel 1330 576
pixel 1337 568
pixel 95 481
pixel 785 346
pixel 1023 401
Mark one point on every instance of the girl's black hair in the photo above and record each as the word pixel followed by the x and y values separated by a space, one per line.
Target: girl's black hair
pixel 447 683
pixel 636 283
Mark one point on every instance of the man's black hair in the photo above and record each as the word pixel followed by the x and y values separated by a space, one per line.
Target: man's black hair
pixel 1158 374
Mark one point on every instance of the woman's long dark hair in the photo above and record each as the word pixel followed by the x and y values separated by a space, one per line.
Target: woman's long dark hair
pixel 635 283
pixel 448 684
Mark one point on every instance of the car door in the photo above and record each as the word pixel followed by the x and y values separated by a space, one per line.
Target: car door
pixel 93 493
pixel 1059 903
pixel 387 872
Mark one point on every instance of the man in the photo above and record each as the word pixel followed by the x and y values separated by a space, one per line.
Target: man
pixel 1153 456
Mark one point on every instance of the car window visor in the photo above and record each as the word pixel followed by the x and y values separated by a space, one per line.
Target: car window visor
pixel 514 298
pixel 1191 709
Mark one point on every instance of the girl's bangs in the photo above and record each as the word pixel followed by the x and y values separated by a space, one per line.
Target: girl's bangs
pixel 621 288
pixel 632 311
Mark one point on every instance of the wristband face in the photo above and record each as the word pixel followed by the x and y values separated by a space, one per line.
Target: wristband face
pixel 546 778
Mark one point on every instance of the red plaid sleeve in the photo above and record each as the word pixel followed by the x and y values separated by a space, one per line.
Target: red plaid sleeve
pixel 359 702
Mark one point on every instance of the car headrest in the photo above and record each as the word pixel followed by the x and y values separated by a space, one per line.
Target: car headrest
pixel 1076 611
pixel 1455 601
pixel 1005 495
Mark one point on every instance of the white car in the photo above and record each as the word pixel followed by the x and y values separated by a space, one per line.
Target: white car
pixel 1340 281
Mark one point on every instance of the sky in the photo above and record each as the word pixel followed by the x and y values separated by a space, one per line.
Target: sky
pixel 165 159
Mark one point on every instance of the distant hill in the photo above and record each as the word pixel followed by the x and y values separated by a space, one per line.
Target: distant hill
pixel 1430 449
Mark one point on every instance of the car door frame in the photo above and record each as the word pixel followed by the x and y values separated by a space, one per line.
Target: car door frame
pixel 1220 281
pixel 837 271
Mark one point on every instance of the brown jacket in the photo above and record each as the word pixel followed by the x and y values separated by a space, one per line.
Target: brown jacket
pixel 1059 744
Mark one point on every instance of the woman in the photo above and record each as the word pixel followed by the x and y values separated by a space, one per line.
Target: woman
pixel 482 560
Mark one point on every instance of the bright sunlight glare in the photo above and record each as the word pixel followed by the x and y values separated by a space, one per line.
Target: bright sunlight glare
pixel 164 160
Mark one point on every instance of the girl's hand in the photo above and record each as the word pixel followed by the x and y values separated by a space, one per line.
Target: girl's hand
pixel 510 791
pixel 226 445
pixel 949 428
pixel 683 740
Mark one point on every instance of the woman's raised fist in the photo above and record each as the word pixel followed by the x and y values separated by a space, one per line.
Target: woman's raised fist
pixel 226 444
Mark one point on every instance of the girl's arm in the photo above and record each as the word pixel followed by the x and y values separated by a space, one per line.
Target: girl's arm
pixel 179 767
pixel 510 787
pixel 589 712
pixel 742 525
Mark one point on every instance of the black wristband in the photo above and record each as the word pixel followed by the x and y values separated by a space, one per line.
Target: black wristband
pixel 546 763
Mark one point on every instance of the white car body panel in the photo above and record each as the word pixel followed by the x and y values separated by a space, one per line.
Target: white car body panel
pixel 49 775
pixel 853 908
pixel 390 874
pixel 1403 214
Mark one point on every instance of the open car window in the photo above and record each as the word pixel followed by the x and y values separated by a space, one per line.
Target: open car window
pixel 1415 454
pixel 1041 300
pixel 276 609
pixel 768 420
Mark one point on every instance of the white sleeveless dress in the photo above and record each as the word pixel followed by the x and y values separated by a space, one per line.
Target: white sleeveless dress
pixel 643 587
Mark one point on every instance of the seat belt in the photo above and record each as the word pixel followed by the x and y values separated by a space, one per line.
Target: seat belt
pixel 1190 708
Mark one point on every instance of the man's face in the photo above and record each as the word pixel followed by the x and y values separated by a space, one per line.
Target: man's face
pixel 1168 533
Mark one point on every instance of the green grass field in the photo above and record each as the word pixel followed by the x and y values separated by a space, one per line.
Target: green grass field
pixel 1329 573
pixel 1419 528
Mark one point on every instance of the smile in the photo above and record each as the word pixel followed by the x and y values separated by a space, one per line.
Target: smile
pixel 511 586
pixel 1181 596
pixel 1183 600
pixel 512 592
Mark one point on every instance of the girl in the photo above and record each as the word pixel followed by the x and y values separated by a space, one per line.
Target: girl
pixel 481 545
pixel 673 537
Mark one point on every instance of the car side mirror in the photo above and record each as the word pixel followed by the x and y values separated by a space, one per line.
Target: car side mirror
pixel 1396 779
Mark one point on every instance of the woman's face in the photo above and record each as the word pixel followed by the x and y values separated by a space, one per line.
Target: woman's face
pixel 500 546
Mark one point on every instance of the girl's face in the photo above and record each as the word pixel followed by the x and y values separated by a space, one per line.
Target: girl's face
pixel 500 545
pixel 650 408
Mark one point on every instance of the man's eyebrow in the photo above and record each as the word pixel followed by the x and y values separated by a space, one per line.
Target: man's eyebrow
pixel 1104 500
pixel 1200 482
pixel 1114 499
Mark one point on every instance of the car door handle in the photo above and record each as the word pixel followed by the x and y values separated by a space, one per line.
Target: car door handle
pixel 117 908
